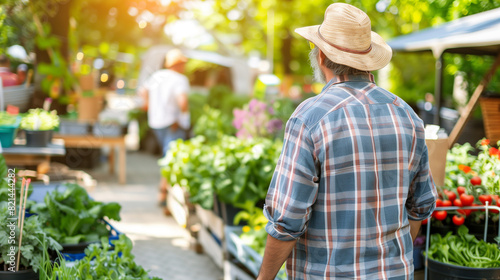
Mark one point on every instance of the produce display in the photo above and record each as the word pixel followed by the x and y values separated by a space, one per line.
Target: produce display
pixel 70 216
pixel 463 249
pixel 32 247
pixel 237 170
pixel 101 261
pixel 471 180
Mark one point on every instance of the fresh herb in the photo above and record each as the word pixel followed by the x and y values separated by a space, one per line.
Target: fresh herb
pixel 101 261
pixel 464 250
pixel 32 250
pixel 71 216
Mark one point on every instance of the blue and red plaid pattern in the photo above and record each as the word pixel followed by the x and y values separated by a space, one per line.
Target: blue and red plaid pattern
pixel 353 169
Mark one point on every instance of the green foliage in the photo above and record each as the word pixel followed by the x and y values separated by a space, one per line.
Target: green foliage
pixel 238 171
pixel 39 119
pixel 33 235
pixel 71 216
pixel 222 98
pixel 196 101
pixel 463 249
pixel 5 32
pixel 6 184
pixel 101 262
pixel 213 125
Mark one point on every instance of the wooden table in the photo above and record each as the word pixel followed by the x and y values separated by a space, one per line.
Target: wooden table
pixel 92 141
pixel 20 154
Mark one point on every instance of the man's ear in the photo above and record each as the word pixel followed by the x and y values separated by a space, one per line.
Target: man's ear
pixel 321 57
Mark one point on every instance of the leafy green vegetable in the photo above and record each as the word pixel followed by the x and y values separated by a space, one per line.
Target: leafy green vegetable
pixel 33 236
pixel 71 216
pixel 101 261
pixel 464 250
pixel 238 171
pixel 7 119
pixel 39 119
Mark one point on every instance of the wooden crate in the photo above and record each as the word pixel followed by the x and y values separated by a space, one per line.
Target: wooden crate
pixel 179 206
pixel 233 272
pixel 491 118
pixel 211 246
pixel 210 220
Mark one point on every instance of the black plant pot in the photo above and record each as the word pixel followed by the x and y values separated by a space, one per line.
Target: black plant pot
pixel 444 271
pixel 28 274
pixel 38 138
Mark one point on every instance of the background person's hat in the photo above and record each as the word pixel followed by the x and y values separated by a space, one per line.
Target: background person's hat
pixel 345 37
pixel 174 57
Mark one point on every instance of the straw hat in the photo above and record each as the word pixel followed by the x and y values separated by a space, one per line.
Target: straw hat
pixel 174 57
pixel 345 37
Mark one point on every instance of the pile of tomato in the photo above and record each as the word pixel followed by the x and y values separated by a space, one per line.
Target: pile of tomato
pixel 461 197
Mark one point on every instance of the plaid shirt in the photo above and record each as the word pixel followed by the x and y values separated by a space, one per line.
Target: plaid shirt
pixel 353 169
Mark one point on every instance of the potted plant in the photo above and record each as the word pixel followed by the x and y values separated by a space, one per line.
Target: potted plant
pixel 8 128
pixel 33 246
pixel 75 220
pixel 38 125
pixel 462 256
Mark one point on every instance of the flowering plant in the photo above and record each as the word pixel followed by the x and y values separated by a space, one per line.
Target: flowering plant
pixel 256 119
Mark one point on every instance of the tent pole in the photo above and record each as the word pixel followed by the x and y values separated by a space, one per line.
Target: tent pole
pixel 464 116
pixel 438 89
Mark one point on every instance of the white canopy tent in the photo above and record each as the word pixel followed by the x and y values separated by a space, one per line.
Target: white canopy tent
pixel 476 34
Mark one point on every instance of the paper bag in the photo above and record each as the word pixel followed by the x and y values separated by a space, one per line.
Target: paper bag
pixel 437 149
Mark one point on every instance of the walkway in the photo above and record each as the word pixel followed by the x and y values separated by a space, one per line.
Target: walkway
pixel 160 245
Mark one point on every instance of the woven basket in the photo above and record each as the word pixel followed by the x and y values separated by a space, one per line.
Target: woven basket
pixel 490 107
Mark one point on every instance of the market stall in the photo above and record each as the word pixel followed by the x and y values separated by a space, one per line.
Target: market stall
pixel 476 34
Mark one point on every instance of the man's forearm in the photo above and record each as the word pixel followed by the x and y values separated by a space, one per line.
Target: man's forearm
pixel 275 255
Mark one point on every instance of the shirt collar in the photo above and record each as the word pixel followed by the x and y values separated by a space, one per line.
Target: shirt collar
pixel 368 77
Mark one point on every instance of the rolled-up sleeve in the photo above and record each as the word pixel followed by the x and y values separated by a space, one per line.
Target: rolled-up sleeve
pixel 422 194
pixel 294 185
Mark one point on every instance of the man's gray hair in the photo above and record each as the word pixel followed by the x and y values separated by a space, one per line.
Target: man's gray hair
pixel 338 69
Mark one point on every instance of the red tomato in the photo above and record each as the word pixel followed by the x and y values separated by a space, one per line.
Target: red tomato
pixel 498 201
pixel 458 220
pixel 485 197
pixel 465 212
pixel 447 203
pixel 440 215
pixel 451 195
pixel 461 190
pixel 457 202
pixel 467 199
pixel 424 222
pixel 476 180
pixel 475 204
pixel 495 197
pixel 439 202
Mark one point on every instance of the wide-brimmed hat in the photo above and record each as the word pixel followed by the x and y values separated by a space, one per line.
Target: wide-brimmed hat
pixel 345 37
pixel 173 57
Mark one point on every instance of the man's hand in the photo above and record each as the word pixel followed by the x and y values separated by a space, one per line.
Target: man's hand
pixel 276 253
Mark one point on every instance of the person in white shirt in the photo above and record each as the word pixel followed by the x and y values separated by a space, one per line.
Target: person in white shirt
pixel 166 96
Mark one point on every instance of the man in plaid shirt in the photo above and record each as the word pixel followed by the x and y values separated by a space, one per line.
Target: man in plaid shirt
pixel 352 184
